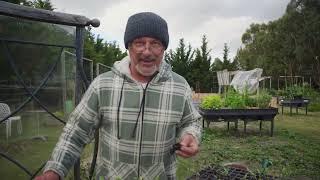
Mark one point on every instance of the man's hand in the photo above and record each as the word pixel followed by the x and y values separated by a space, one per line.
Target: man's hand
pixel 48 175
pixel 189 146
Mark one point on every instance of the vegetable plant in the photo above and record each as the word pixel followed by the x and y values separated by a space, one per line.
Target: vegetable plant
pixel 211 102
pixel 263 99
pixel 234 100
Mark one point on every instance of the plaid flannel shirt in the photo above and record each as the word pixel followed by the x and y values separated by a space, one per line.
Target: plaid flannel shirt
pixel 168 115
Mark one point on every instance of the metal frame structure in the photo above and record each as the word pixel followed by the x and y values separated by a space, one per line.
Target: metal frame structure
pixel 80 22
pixel 294 80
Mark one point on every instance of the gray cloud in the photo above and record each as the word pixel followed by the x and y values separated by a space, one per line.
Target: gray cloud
pixel 222 21
pixel 91 9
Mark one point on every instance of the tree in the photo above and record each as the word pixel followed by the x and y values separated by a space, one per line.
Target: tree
pixel 42 4
pixel 287 46
pixel 101 52
pixel 94 47
pixel 180 59
pixel 219 65
pixel 200 74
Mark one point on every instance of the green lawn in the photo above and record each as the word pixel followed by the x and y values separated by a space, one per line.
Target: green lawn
pixel 294 150
pixel 25 148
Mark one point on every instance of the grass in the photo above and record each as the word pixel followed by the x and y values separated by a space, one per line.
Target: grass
pixel 28 151
pixel 294 150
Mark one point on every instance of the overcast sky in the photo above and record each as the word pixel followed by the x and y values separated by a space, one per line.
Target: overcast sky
pixel 222 21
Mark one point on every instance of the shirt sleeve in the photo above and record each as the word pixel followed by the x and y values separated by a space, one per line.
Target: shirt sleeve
pixel 78 132
pixel 191 119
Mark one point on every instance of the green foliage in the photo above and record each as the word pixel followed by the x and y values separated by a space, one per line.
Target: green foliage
pixel 294 91
pixel 193 64
pixel 263 99
pixel 273 92
pixel 180 58
pixel 265 164
pixel 199 76
pixel 251 101
pixel 101 52
pixel 43 4
pixel 314 97
pixel 287 46
pixel 291 153
pixel 32 61
pixel 211 102
pixel 313 107
pixel 234 100
pixel 226 63
pixel 306 92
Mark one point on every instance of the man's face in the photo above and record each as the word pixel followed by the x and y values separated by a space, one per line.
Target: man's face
pixel 146 55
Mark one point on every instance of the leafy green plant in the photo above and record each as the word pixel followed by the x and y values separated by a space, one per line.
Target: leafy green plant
pixel 263 99
pixel 234 100
pixel 211 102
pixel 265 164
pixel 274 92
pixel 304 91
pixel 251 101
pixel 294 91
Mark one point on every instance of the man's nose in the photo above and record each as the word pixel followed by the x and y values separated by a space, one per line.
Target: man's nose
pixel 147 49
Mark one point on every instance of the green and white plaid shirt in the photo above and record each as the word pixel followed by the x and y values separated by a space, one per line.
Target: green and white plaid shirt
pixel 168 114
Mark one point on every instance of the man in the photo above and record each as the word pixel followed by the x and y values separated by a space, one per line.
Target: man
pixel 141 109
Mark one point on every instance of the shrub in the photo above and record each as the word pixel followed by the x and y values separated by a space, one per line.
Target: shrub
pixel 211 102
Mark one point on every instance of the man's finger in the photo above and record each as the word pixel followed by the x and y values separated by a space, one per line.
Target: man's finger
pixel 182 154
pixel 189 150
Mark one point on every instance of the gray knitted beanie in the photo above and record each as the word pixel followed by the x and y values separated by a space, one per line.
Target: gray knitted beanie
pixel 146 24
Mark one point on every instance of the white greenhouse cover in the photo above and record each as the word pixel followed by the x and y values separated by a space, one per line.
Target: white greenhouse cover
pixel 247 79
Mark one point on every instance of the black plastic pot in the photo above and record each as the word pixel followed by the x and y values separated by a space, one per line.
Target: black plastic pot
pixel 226 173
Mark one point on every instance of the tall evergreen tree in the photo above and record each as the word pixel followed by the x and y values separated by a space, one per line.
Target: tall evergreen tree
pixel 101 52
pixel 180 59
pixel 225 63
pixel 42 4
pixel 200 74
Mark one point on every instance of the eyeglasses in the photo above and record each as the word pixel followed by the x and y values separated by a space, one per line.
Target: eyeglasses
pixel 139 46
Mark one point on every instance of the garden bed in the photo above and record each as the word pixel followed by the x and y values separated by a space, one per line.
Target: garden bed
pixel 296 103
pixel 233 115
